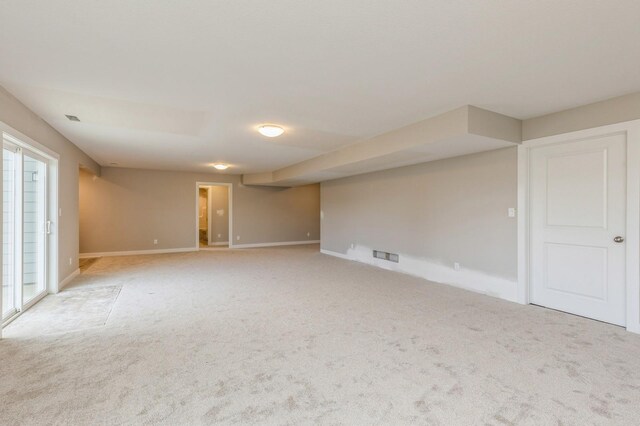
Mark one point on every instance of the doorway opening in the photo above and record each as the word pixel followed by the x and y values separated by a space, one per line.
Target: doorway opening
pixel 29 256
pixel 213 219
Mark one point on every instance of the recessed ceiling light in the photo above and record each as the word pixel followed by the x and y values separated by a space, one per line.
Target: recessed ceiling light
pixel 113 164
pixel 221 166
pixel 72 117
pixel 270 130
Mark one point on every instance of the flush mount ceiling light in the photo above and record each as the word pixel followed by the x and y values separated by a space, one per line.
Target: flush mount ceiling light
pixel 72 117
pixel 270 130
pixel 221 166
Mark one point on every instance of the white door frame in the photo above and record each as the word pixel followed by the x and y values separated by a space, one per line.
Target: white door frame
pixel 22 140
pixel 632 131
pixel 210 216
pixel 230 187
pixel 51 268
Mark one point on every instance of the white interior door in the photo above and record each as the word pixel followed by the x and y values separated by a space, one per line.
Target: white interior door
pixel 578 204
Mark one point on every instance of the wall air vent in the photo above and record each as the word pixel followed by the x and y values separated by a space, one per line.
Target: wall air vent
pixel 72 117
pixel 391 257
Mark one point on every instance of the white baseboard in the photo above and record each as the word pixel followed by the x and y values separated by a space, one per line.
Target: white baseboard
pixel 285 243
pixel 62 284
pixel 188 249
pixel 137 252
pixel 335 254
pixel 466 279
pixel 219 243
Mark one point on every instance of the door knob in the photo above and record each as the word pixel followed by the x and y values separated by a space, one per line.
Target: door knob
pixel 618 239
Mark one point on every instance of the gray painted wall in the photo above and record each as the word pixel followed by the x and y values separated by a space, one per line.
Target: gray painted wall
pixel 610 111
pixel 126 209
pixel 433 214
pixel 13 113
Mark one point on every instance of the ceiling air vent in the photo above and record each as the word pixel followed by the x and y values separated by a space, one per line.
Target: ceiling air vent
pixel 72 117
pixel 391 257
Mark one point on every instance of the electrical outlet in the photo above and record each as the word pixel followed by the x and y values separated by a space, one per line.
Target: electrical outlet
pixel 70 261
pixel 308 234
pixel 219 235
pixel 352 245
pixel 155 241
pixel 237 237
pixel 511 212
pixel 456 266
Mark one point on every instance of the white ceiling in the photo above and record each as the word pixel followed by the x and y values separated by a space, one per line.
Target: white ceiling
pixel 170 84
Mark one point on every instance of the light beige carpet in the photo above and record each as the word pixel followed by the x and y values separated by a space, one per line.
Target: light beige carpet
pixel 70 310
pixel 86 263
pixel 290 336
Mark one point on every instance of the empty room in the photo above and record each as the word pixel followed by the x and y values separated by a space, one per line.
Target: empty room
pixel 320 213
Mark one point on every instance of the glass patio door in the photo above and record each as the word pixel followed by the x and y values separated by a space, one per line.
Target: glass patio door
pixel 25 229
pixel 9 294
pixel 34 226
